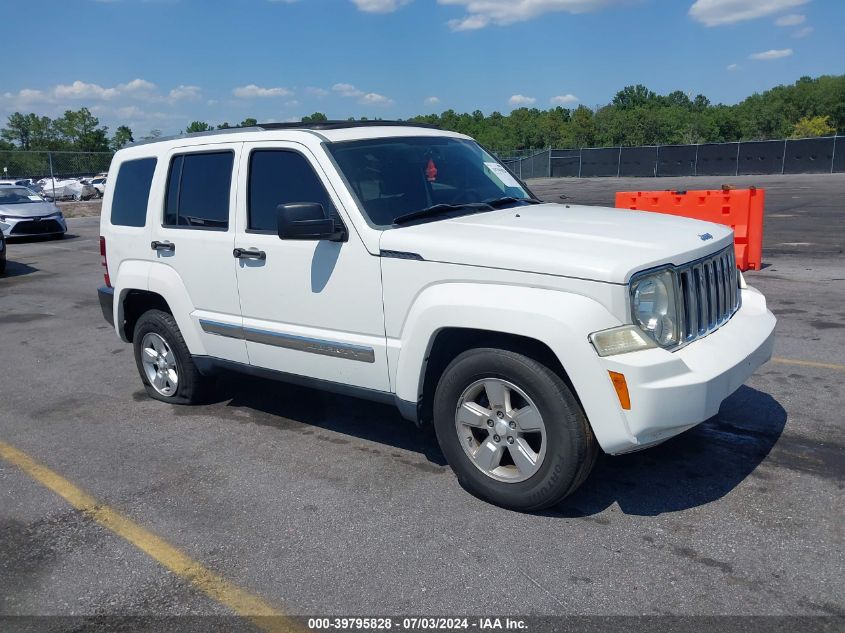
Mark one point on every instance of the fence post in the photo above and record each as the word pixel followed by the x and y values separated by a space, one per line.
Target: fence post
pixel 695 165
pixel 580 160
pixel 550 160
pixel 783 162
pixel 832 154
pixel 619 162
pixel 738 146
pixel 657 163
pixel 52 178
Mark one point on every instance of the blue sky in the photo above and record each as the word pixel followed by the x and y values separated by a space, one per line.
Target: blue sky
pixel 163 63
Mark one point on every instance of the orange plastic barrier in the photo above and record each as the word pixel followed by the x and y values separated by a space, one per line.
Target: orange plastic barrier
pixel 740 209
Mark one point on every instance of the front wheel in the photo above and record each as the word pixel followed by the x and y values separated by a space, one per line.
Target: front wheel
pixel 511 429
pixel 164 362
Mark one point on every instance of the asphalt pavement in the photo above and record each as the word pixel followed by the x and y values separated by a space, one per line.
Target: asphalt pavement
pixel 321 504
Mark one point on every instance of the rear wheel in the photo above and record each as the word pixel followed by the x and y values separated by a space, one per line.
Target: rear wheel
pixel 512 430
pixel 164 362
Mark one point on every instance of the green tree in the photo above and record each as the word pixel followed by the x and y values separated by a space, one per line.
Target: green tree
pixel 806 127
pixel 224 126
pixel 29 131
pixel 248 122
pixel 80 130
pixel 315 118
pixel 122 137
pixel 634 97
pixel 198 126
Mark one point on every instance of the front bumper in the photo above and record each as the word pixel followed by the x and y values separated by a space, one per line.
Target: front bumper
pixel 31 227
pixel 673 391
pixel 106 296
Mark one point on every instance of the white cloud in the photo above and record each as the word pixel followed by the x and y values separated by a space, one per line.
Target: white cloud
pixel 807 30
pixel 25 97
pixel 135 90
pixel 792 19
pixel 137 85
pixel 380 6
pixel 564 99
pixel 252 91
pixel 482 13
pixel 432 101
pixel 521 100
pixel 347 90
pixel 185 93
pixel 374 98
pixel 82 90
pixel 367 98
pixel 317 92
pixel 775 53
pixel 721 12
pixel 733 66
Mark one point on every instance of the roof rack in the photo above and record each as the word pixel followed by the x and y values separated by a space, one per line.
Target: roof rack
pixel 339 125
pixel 312 126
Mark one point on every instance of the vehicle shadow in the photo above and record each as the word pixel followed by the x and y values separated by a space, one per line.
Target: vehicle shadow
pixel 17 269
pixel 695 468
pixel 286 406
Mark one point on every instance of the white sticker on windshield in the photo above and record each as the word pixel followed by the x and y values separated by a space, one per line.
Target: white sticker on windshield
pixel 35 198
pixel 502 174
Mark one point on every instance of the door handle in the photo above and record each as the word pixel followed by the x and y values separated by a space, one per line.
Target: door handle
pixel 249 253
pixel 163 246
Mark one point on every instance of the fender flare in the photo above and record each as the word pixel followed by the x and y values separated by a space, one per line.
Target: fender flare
pixel 560 320
pixel 166 282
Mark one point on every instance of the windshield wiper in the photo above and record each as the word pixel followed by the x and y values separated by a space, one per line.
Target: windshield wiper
pixel 438 209
pixel 500 202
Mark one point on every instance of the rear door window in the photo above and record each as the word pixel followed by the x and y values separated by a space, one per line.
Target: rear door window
pixel 198 187
pixel 132 192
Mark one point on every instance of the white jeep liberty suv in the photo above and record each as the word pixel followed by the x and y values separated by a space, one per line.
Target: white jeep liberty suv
pixel 407 265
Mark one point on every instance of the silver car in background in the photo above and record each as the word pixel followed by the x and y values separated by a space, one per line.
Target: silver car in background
pixel 24 213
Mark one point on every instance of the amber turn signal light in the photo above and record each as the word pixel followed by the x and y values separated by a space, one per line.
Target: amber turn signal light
pixel 621 387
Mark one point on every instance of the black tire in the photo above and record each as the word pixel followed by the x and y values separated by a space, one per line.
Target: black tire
pixel 192 387
pixel 571 448
pixel 2 263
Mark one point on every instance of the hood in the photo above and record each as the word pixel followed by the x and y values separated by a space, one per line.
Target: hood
pixel 597 243
pixel 28 210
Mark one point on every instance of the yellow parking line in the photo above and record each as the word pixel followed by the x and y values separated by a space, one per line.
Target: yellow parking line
pixel 808 363
pixel 238 600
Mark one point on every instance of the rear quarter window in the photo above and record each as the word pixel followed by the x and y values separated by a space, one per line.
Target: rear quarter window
pixel 132 192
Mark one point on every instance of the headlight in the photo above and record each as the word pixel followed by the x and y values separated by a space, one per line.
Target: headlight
pixel 654 306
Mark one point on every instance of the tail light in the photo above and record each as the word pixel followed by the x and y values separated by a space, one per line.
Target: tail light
pixel 104 262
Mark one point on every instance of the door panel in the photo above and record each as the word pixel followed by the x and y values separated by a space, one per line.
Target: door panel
pixel 194 233
pixel 312 308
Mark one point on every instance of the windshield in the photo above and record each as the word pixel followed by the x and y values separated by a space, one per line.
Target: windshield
pixel 18 195
pixel 395 177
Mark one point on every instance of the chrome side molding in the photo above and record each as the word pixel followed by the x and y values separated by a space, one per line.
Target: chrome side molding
pixel 323 347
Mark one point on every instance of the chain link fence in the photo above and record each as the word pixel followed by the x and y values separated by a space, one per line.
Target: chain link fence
pixel 37 164
pixel 785 156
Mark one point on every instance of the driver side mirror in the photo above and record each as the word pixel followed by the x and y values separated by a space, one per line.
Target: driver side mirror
pixel 307 221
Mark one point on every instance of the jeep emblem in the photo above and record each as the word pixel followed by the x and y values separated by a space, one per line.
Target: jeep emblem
pixel 705 236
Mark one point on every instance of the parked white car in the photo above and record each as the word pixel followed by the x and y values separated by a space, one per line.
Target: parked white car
pixel 100 185
pixel 408 265
pixel 67 189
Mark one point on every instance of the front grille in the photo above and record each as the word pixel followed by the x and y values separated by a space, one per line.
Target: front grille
pixel 709 291
pixel 36 227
